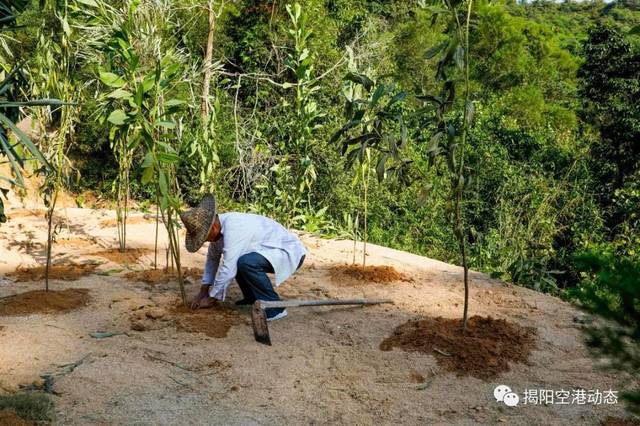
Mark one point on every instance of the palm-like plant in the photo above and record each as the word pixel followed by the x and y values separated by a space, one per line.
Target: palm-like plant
pixel 12 83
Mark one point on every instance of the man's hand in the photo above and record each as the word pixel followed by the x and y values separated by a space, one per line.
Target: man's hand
pixel 203 300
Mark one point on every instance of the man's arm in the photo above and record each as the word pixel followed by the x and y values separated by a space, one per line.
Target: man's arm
pixel 237 239
pixel 213 261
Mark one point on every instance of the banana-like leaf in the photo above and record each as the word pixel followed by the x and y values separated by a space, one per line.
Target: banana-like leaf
pixel 24 139
pixel 39 102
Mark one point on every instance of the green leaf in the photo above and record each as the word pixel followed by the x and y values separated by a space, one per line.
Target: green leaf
pixel 360 79
pixel 91 3
pixel 435 50
pixel 65 26
pixel 162 183
pixel 24 139
pixel 147 175
pixel 458 57
pixel 398 97
pixel 377 94
pixel 15 166
pixel 434 144
pixel 635 30
pixel 166 124
pixel 119 94
pixel 380 168
pixel 111 79
pixel 149 82
pixel 168 157
pixel 117 117
pixel 148 160
pixel 174 102
pixel 39 102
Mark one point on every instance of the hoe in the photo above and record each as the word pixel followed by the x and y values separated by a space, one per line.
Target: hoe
pixel 259 317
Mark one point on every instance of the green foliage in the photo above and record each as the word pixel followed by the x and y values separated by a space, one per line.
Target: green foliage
pixel 540 160
pixel 610 291
pixel 12 82
pixel 610 78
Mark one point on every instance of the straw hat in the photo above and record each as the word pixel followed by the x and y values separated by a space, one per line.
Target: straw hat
pixel 198 222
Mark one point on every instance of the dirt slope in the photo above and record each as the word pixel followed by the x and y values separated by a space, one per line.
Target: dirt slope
pixel 325 366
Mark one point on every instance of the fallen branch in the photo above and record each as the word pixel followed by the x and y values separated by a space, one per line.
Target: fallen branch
pixel 441 352
pixel 175 364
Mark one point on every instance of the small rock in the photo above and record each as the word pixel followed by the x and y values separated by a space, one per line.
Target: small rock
pixel 235 388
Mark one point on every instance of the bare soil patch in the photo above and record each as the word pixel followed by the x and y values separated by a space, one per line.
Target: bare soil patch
pixel 40 301
pixel 163 276
pixel 214 322
pixel 10 418
pixel 356 274
pixel 131 255
pixel 68 272
pixel 485 351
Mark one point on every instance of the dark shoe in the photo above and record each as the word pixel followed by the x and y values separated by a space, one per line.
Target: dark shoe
pixel 243 302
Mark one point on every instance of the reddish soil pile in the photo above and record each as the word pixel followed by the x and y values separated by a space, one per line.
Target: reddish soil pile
pixel 10 418
pixel 40 301
pixel 371 273
pixel 617 421
pixel 130 256
pixel 162 276
pixel 134 220
pixel 70 272
pixel 214 322
pixel 486 349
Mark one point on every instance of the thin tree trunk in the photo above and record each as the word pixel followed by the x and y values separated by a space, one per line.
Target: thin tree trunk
pixel 355 235
pixel 366 200
pixel 155 256
pixel 204 110
pixel 465 130
pixel 52 208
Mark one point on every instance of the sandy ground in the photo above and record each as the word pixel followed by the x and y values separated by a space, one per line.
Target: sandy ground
pixel 325 365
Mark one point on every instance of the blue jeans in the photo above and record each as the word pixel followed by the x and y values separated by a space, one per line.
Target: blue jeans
pixel 254 282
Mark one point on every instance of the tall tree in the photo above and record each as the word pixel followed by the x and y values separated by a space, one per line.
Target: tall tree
pixel 610 88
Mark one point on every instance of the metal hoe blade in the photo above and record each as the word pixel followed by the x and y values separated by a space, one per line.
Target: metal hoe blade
pixel 259 321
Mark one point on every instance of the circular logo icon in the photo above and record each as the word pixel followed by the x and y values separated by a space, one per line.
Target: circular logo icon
pixel 500 391
pixel 511 399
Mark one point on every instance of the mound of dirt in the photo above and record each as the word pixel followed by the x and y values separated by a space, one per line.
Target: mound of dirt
pixel 40 301
pixel 214 322
pixel 163 276
pixel 75 242
pixel 484 351
pixel 356 274
pixel 131 255
pixel 69 272
pixel 133 220
pixel 10 418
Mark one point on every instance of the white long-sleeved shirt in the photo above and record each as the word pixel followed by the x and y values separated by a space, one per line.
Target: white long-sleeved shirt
pixel 244 233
